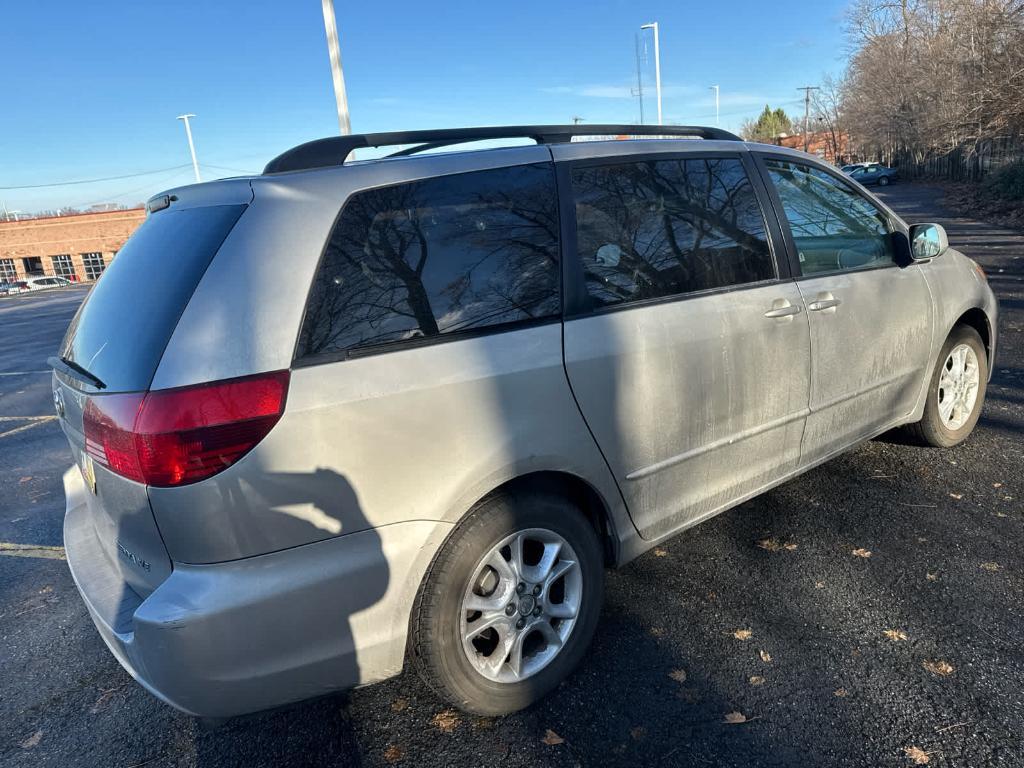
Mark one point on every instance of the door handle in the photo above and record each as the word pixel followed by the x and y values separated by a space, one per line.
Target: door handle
pixel 783 308
pixel 824 302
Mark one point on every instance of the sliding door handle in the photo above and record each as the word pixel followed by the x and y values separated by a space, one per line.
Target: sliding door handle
pixel 782 308
pixel 820 304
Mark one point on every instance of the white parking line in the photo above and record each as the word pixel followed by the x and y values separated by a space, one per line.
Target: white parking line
pixel 22 373
pixel 33 421
pixel 32 550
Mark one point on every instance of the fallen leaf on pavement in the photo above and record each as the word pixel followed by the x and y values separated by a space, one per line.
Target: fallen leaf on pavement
pixel 102 700
pixel 659 552
pixel 484 723
pixel 657 631
pixel 916 755
pixel 679 675
pixel 394 753
pixel 839 693
pixel 446 720
pixel 766 657
pixel 772 545
pixel 398 705
pixel 943 668
pixel 756 680
pixel 932 576
pixel 895 635
pixel 735 718
pixel 742 634
pixel 552 739
pixel 957 495
pixel 32 740
pixel 991 566
pixel 860 552
pixel 997 485
pixel 819 585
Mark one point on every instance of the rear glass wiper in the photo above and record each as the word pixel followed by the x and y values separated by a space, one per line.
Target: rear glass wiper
pixel 75 371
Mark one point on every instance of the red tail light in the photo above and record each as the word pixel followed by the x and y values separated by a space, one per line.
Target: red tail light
pixel 178 436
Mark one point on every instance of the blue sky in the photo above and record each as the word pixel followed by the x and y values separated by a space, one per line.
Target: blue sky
pixel 92 89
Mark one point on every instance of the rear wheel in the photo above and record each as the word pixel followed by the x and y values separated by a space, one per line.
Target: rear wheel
pixel 884 181
pixel 956 391
pixel 510 603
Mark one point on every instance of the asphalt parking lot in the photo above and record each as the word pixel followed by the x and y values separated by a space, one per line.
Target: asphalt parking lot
pixel 869 613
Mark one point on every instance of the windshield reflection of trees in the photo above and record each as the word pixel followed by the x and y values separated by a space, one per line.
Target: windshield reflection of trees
pixel 437 256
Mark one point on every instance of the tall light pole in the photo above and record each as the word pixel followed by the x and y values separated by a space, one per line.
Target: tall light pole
pixel 334 50
pixel 715 89
pixel 807 110
pixel 191 144
pixel 657 64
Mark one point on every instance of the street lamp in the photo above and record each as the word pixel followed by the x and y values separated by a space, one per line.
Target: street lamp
pixel 191 145
pixel 715 89
pixel 657 64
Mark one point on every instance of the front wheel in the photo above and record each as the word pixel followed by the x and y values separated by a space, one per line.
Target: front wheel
pixel 884 181
pixel 510 603
pixel 956 391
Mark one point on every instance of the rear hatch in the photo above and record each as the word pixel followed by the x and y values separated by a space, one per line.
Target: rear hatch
pixel 109 357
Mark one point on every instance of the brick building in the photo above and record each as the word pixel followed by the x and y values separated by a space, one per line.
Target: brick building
pixel 835 148
pixel 78 247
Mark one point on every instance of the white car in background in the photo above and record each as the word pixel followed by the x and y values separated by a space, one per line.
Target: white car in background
pixel 47 281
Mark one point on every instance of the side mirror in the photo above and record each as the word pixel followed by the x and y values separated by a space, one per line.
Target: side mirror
pixel 927 241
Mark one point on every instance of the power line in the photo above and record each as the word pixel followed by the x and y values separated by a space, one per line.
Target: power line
pixel 93 181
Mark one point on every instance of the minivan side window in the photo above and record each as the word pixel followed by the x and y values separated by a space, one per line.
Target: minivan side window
pixel 835 228
pixel 455 253
pixel 657 228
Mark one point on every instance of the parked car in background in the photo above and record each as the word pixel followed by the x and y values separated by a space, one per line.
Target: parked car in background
pixel 48 281
pixel 477 379
pixel 874 173
pixel 11 287
pixel 855 166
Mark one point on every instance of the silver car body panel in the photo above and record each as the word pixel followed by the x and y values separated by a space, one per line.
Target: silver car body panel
pixel 293 572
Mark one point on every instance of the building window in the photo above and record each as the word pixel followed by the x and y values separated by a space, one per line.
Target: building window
pixel 94 265
pixel 7 270
pixel 62 266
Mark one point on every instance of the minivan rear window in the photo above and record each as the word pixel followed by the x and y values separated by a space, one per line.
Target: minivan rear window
pixel 120 331
pixel 456 254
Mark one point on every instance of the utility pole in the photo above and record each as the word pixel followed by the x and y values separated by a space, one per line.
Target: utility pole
pixel 191 145
pixel 334 50
pixel 715 89
pixel 657 65
pixel 807 109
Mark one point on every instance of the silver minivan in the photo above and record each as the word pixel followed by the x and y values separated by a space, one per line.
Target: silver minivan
pixel 343 416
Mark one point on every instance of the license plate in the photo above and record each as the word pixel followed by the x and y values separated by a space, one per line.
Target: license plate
pixel 88 471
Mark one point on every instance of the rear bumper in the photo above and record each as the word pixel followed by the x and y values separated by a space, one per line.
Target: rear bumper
pixel 247 635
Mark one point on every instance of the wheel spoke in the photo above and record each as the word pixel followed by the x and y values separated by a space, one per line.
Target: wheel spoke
pixel 539 572
pixel 515 652
pixel 484 603
pixel 516 547
pixel 497 621
pixel 507 637
pixel 946 407
pixel 563 610
pixel 506 571
pixel 551 635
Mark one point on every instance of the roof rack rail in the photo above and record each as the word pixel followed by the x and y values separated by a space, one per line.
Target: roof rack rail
pixel 332 151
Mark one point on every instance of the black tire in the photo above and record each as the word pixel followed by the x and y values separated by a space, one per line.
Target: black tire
pixel 436 645
pixel 930 430
pixel 884 181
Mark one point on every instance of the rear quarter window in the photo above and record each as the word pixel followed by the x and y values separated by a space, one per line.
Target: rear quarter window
pixel 463 253
pixel 120 332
